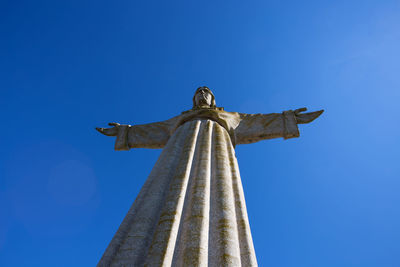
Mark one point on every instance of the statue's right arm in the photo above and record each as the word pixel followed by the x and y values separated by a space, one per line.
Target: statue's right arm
pixel 151 135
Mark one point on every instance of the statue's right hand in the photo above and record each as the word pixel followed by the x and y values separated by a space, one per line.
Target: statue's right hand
pixel 110 131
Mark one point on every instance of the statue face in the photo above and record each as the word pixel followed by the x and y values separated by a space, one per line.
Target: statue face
pixel 203 98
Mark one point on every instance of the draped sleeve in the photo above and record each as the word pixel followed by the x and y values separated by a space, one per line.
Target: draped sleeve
pixel 256 127
pixel 150 135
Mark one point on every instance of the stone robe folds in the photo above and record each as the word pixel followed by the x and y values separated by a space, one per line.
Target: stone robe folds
pixel 191 210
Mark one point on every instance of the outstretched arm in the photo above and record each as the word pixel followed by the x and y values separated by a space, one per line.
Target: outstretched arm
pixel 256 127
pixel 151 135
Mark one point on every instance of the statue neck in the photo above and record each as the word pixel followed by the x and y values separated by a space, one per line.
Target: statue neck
pixel 203 106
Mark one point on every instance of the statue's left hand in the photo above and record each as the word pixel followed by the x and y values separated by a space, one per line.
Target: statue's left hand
pixel 302 118
pixel 110 131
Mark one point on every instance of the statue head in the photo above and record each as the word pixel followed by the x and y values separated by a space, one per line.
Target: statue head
pixel 203 98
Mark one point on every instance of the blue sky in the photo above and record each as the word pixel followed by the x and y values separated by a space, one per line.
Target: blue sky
pixel 328 198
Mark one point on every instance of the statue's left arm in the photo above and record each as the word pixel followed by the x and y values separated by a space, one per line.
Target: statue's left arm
pixel 151 135
pixel 255 127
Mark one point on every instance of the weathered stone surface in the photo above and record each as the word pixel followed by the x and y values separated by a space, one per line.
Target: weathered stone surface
pixel 191 210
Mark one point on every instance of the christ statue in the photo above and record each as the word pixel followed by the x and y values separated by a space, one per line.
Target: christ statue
pixel 191 210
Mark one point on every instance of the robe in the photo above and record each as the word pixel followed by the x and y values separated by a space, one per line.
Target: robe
pixel 191 210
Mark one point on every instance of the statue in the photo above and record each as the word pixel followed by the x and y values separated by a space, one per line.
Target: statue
pixel 191 210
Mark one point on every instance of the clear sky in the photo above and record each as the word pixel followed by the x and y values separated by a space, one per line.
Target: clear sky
pixel 328 198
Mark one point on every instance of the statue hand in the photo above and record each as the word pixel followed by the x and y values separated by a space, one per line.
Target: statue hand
pixel 302 118
pixel 110 131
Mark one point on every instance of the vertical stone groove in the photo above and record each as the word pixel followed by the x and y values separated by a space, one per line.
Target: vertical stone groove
pixel 247 252
pixel 192 242
pixel 223 237
pixel 162 247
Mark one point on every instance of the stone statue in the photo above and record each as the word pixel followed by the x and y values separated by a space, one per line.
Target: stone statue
pixel 191 210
